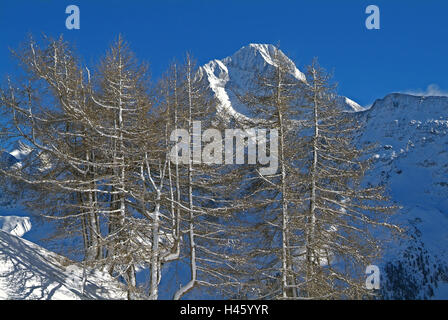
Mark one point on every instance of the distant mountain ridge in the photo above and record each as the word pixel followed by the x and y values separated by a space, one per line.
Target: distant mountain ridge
pixel 412 161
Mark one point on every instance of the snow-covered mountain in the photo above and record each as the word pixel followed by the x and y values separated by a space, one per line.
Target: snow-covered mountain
pixel 240 72
pixel 412 161
pixel 15 225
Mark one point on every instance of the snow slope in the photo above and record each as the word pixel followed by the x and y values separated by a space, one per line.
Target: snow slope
pixel 412 160
pixel 28 271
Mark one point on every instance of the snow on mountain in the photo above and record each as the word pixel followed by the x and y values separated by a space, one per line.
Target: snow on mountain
pixel 239 73
pixel 21 150
pixel 14 225
pixel 25 158
pixel 28 271
pixel 350 105
pixel 7 160
pixel 412 161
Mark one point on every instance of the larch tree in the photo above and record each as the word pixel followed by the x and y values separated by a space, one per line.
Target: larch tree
pixel 274 197
pixel 342 213
pixel 198 181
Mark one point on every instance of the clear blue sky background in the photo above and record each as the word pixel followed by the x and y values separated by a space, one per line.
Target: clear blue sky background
pixel 409 52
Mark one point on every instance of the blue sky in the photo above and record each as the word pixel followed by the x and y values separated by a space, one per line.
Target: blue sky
pixel 409 52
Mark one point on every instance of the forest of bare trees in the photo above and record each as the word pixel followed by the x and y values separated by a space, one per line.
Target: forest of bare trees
pixel 104 176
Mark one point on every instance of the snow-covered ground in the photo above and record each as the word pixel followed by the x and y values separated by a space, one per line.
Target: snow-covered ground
pixel 28 271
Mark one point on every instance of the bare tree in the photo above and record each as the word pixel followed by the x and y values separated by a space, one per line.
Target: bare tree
pixel 340 210
pixel 275 197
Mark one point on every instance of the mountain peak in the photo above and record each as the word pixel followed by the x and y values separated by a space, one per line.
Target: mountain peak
pixel 259 56
pixel 240 72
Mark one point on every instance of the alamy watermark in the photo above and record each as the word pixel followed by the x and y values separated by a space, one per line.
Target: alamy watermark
pixel 373 20
pixel 73 21
pixel 373 277
pixel 228 150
